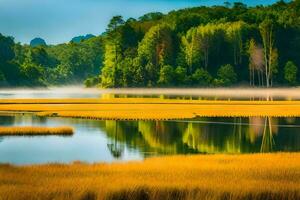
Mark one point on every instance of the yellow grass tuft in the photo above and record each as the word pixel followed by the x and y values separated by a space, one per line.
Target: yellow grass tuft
pixel 31 131
pixel 258 176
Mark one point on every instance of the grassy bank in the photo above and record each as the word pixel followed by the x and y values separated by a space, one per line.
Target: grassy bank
pixel 150 109
pixel 31 131
pixel 259 176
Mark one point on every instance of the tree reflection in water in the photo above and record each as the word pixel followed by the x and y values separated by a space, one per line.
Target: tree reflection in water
pixel 206 135
pixel 115 147
pixel 268 141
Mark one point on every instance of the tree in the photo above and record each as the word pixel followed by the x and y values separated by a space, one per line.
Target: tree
pixel 180 74
pixel 226 75
pixel 37 42
pixel 290 73
pixel 33 74
pixel 91 81
pixel 2 79
pixel 256 63
pixel 270 52
pixel 235 36
pixel 166 76
pixel 112 52
pixel 201 77
pixel 191 49
pixel 151 16
pixel 155 51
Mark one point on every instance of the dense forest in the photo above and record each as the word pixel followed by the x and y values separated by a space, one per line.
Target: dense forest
pixel 194 47
pixel 43 65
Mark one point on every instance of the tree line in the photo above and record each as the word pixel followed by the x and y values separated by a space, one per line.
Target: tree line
pixel 205 46
pixel 195 47
pixel 41 65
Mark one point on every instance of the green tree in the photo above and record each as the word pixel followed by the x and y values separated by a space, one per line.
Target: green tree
pixel 180 76
pixel 7 68
pixel 155 51
pixel 201 77
pixel 112 53
pixel 166 76
pixel 91 81
pixel 226 75
pixel 290 73
pixel 2 79
pixel 33 74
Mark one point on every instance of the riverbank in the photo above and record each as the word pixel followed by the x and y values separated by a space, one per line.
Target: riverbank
pixel 35 131
pixel 150 108
pixel 256 176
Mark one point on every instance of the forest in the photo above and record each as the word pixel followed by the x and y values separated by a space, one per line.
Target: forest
pixel 228 45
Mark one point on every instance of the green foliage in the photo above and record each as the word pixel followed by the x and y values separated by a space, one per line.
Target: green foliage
pixel 226 75
pixel 32 73
pixel 166 76
pixel 155 51
pixel 290 73
pixel 180 76
pixel 2 79
pixel 201 77
pixel 151 16
pixel 91 81
pixel 182 48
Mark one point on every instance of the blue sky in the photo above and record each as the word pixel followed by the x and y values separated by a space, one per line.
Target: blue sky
pixel 58 21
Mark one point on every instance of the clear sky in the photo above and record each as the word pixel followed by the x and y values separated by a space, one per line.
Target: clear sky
pixel 58 21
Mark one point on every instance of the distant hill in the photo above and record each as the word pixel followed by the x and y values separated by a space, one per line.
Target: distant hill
pixel 81 38
pixel 38 42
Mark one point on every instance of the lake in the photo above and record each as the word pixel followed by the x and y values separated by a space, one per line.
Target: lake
pixel 109 141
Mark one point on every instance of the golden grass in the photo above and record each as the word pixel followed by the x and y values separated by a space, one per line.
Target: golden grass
pixel 258 176
pixel 150 109
pixel 31 131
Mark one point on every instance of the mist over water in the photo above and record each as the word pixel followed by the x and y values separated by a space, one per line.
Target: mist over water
pixel 57 92
pixel 195 93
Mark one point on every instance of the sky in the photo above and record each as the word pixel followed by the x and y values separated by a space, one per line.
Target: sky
pixel 58 21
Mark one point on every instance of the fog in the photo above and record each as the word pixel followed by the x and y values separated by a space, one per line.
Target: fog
pixel 235 93
pixel 81 92
pixel 55 92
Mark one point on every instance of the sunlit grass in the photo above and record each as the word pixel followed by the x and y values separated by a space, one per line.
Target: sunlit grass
pixel 258 176
pixel 31 131
pixel 151 109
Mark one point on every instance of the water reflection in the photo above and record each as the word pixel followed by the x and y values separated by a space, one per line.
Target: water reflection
pixel 96 141
pixel 210 135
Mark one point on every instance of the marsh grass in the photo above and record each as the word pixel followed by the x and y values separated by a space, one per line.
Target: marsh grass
pixel 210 177
pixel 32 131
pixel 150 109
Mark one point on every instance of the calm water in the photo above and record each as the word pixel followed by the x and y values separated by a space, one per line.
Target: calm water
pixel 107 141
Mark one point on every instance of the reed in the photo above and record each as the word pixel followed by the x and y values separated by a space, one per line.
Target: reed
pixel 151 109
pixel 210 177
pixel 35 131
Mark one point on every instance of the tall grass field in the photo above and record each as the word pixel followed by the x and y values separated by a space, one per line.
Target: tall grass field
pixel 257 176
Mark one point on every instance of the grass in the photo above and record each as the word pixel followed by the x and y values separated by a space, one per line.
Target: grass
pixel 150 108
pixel 257 176
pixel 32 131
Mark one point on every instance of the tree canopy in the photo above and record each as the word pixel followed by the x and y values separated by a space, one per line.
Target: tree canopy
pixel 199 47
